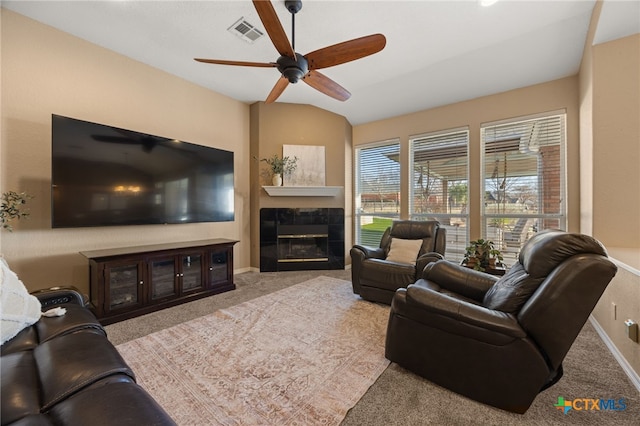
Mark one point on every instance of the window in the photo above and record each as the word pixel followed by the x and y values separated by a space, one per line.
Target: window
pixel 524 180
pixel 439 176
pixel 377 190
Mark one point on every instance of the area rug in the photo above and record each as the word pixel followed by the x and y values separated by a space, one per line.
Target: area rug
pixel 303 355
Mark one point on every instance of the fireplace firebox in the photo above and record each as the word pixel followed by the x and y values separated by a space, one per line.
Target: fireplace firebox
pixel 294 239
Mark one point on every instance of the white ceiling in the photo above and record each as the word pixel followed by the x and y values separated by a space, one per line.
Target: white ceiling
pixel 437 52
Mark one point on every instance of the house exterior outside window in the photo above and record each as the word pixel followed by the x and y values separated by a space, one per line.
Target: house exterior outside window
pixel 377 190
pixel 522 174
pixel 523 180
pixel 439 184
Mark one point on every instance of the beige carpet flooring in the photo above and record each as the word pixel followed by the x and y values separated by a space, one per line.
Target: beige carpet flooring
pixel 399 397
pixel 302 355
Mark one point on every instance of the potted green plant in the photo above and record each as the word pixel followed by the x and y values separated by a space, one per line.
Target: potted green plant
pixel 12 207
pixel 280 167
pixel 481 255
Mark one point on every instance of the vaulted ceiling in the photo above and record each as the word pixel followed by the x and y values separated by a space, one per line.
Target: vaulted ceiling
pixel 437 52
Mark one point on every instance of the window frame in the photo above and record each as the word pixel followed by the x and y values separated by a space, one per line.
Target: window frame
pixel 511 251
pixel 456 241
pixel 358 213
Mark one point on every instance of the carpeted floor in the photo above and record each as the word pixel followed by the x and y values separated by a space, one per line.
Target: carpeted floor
pixel 302 355
pixel 399 397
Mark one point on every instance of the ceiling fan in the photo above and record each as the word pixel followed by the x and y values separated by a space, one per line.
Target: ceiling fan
pixel 294 66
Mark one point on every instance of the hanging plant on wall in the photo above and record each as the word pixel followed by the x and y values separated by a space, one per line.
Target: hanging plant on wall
pixel 12 207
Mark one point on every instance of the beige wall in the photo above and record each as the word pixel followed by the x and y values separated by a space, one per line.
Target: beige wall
pixel 616 142
pixel 46 71
pixel 277 124
pixel 610 191
pixel 610 140
pixel 553 96
pixel 624 293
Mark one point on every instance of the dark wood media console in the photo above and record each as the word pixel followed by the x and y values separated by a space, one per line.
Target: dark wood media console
pixel 131 281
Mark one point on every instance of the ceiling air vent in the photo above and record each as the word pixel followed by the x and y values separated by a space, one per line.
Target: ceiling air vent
pixel 245 31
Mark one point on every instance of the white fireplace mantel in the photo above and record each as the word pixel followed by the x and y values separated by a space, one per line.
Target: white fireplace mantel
pixel 303 191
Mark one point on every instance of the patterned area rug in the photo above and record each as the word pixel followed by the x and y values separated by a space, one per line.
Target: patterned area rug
pixel 303 355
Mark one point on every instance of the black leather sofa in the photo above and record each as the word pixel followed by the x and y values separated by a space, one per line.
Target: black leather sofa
pixel 64 371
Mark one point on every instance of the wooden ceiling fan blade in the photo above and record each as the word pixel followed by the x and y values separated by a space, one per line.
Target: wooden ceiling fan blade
pixel 274 28
pixel 277 90
pixel 346 51
pixel 238 63
pixel 325 85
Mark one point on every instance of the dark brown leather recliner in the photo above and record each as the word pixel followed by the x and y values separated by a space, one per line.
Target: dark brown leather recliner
pixel 376 278
pixel 500 341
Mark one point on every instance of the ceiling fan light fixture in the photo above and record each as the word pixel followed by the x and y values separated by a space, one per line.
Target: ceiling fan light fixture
pixel 293 69
pixel 293 74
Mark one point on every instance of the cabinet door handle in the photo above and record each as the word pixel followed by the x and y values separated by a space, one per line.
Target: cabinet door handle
pixel 177 275
pixel 141 282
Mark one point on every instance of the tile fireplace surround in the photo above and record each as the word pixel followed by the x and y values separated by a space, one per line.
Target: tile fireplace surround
pixel 295 239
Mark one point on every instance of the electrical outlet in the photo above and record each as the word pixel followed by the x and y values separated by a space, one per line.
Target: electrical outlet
pixel 614 311
pixel 631 329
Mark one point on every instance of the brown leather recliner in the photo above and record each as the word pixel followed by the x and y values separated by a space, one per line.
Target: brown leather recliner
pixel 376 278
pixel 500 341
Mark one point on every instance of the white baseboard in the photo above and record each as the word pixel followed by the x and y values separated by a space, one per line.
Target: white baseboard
pixel 626 367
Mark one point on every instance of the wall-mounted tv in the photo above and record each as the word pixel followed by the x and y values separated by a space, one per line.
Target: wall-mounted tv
pixel 105 176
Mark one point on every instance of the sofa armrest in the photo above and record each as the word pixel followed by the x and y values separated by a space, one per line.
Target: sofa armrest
pixel 358 256
pixel 459 279
pixel 368 252
pixel 460 316
pixel 54 296
pixel 426 259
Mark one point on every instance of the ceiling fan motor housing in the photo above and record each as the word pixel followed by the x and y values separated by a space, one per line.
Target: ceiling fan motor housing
pixel 293 6
pixel 293 69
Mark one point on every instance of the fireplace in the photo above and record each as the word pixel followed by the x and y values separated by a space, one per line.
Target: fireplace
pixel 303 244
pixel 294 239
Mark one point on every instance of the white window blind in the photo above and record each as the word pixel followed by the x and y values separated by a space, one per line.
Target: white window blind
pixel 377 189
pixel 523 179
pixel 439 174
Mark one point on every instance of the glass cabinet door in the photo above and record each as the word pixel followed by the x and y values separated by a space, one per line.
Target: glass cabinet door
pixel 125 285
pixel 191 275
pixel 164 276
pixel 218 271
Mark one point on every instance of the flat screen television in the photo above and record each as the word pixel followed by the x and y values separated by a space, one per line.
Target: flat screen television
pixel 106 176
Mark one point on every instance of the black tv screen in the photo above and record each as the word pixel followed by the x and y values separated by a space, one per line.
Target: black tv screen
pixel 105 176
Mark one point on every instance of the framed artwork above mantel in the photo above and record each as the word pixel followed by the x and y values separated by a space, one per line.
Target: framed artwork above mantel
pixel 310 170
pixel 309 177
